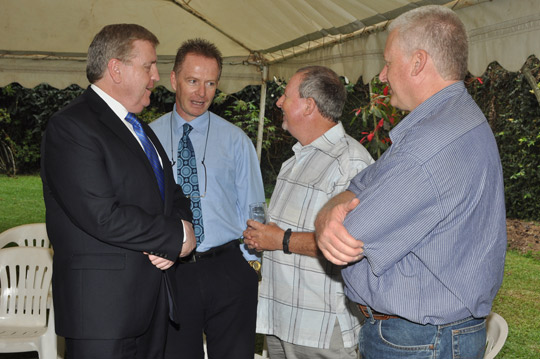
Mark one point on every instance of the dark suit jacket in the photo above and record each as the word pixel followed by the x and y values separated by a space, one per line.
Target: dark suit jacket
pixel 104 210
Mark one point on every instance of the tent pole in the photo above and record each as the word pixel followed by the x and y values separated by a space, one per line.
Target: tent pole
pixel 262 108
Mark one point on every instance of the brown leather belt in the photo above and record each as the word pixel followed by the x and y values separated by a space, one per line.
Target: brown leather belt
pixel 376 315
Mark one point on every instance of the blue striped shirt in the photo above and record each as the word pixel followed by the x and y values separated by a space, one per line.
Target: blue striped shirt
pixel 431 216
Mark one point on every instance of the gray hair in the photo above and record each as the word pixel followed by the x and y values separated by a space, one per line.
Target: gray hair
pixel 325 87
pixel 438 31
pixel 114 42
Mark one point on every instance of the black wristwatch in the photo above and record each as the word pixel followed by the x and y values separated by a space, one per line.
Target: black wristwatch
pixel 286 238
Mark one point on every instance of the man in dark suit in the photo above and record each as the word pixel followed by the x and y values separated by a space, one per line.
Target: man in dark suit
pixel 115 216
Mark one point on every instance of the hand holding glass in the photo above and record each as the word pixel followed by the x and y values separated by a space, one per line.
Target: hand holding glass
pixel 257 212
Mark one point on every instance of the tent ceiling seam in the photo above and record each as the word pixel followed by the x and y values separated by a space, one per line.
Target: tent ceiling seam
pixel 184 4
pixel 330 40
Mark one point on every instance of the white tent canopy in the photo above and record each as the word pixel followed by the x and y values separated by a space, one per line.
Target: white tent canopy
pixel 46 40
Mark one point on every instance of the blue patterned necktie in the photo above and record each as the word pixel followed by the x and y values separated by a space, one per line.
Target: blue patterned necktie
pixel 149 150
pixel 187 178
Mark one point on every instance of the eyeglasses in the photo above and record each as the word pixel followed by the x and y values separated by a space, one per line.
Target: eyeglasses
pixel 205 180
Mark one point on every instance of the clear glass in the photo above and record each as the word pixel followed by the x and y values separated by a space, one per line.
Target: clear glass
pixel 257 211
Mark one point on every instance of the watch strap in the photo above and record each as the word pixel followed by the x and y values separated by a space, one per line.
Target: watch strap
pixel 286 239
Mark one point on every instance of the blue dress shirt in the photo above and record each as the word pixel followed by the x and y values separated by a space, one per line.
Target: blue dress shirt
pixel 432 216
pixel 233 173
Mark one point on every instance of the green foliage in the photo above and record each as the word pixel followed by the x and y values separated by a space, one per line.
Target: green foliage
pixel 513 112
pixel 149 114
pixel 7 158
pixel 377 118
pixel 246 116
pixel 29 110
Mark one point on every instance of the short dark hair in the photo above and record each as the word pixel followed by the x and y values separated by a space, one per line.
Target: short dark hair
pixel 114 42
pixel 326 88
pixel 199 47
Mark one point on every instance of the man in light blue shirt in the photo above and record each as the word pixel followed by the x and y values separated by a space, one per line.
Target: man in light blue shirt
pixel 424 228
pixel 219 287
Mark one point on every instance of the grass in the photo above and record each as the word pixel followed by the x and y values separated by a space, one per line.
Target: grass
pixel 518 301
pixel 21 201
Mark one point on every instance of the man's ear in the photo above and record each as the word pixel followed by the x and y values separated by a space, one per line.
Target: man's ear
pixel 173 80
pixel 310 106
pixel 419 60
pixel 115 70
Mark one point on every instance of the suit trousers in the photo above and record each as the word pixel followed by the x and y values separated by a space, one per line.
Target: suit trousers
pixel 149 345
pixel 217 296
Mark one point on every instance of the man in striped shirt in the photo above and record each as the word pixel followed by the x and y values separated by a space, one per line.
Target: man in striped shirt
pixel 423 230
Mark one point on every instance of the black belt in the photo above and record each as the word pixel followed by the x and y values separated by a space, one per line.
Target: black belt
pixel 211 253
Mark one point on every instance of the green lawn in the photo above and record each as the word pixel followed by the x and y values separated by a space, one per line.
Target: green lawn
pixel 21 201
pixel 518 301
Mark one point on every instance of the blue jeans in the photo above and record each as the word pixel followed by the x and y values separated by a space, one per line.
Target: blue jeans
pixel 399 338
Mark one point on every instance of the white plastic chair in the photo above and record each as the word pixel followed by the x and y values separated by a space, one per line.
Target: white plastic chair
pixel 25 278
pixel 497 332
pixel 27 235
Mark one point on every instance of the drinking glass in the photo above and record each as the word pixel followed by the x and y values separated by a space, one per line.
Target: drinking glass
pixel 257 212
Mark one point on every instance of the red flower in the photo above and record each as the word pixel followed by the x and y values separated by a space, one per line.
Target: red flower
pixel 480 80
pixel 380 124
pixel 391 119
pixel 358 110
pixel 380 102
pixel 370 136
pixel 385 91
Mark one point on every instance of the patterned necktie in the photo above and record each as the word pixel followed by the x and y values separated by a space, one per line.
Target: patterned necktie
pixel 187 178
pixel 150 152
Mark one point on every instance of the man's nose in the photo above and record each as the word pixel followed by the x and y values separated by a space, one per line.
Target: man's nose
pixel 155 73
pixel 201 90
pixel 279 102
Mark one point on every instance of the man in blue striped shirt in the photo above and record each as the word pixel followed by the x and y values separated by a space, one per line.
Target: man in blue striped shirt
pixel 423 229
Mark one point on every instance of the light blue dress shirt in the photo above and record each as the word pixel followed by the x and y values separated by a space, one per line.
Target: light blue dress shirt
pixel 233 173
pixel 432 216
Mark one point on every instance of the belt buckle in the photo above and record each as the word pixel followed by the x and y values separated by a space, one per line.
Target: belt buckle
pixel 191 258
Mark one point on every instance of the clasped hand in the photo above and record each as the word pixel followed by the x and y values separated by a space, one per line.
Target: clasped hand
pixel 263 237
pixel 188 246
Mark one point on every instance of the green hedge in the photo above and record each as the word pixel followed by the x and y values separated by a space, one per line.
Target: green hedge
pixel 513 112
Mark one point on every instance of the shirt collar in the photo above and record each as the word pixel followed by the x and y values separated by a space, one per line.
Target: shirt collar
pixel 425 109
pixel 116 106
pixel 326 142
pixel 199 124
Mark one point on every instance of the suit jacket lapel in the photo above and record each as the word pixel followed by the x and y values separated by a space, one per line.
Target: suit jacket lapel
pixel 107 116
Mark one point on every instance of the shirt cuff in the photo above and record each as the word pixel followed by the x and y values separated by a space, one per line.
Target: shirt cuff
pixel 184 226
